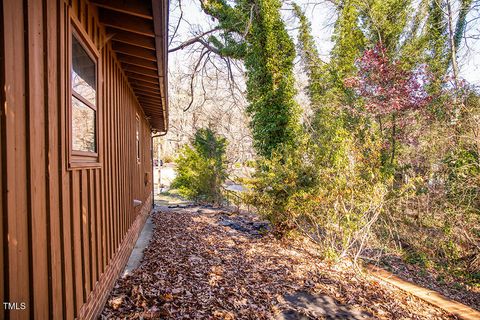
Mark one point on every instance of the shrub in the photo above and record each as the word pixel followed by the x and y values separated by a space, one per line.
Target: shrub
pixel 201 168
pixel 435 207
pixel 330 192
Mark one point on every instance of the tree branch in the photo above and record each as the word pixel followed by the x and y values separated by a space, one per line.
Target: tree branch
pixel 195 40
pixel 178 24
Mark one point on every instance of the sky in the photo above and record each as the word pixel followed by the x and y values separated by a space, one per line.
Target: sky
pixel 322 18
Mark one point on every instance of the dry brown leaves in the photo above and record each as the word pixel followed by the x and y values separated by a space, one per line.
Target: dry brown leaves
pixel 196 268
pixel 446 283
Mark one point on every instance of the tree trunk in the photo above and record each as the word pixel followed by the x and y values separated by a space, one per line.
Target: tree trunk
pixel 394 138
pixel 453 49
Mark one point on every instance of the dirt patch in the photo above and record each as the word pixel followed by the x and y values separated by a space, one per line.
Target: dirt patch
pixel 198 267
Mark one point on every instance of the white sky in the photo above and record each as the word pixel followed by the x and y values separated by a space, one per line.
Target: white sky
pixel 322 18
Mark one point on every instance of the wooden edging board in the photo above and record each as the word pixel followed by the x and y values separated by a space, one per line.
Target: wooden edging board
pixel 433 297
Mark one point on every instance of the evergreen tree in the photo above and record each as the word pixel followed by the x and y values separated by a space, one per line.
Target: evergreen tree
pixel 412 49
pixel 465 7
pixel 437 57
pixel 327 124
pixel 201 167
pixel 270 80
pixel 268 52
pixel 385 22
pixel 349 43
pixel 314 67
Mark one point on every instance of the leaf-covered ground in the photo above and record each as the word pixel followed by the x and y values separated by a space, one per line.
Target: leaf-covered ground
pixel 451 286
pixel 209 264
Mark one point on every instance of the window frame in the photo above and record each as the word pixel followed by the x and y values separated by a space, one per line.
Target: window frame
pixel 138 129
pixel 77 158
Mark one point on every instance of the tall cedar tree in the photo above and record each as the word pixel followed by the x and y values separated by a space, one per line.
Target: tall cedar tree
pixel 349 42
pixel 313 66
pixel 254 30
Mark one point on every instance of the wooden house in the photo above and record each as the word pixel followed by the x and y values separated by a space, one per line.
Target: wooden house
pixel 83 87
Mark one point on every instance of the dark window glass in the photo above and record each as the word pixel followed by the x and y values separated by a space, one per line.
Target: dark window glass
pixel 83 73
pixel 138 137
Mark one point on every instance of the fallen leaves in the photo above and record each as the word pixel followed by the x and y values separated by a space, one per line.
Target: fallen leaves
pixel 198 267
pixel 446 283
pixel 223 314
pixel 116 302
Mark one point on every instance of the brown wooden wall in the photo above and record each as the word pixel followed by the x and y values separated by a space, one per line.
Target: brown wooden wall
pixel 62 229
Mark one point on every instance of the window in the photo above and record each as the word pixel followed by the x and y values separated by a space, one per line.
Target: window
pixel 83 127
pixel 137 137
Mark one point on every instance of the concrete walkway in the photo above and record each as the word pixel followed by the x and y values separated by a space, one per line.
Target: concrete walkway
pixel 137 252
pixel 145 236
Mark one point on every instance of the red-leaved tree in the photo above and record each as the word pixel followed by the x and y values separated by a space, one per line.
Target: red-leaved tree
pixel 390 93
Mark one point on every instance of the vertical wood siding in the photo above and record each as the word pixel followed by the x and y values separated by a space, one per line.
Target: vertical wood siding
pixel 62 229
pixel 3 220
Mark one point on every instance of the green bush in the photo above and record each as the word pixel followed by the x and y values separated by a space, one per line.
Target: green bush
pixel 463 173
pixel 435 204
pixel 328 188
pixel 201 168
